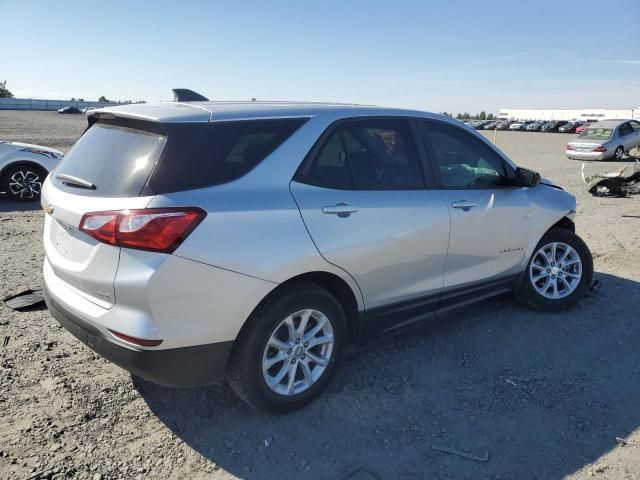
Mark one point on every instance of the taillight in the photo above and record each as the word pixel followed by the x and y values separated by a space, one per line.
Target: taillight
pixel 154 229
pixel 599 149
pixel 570 147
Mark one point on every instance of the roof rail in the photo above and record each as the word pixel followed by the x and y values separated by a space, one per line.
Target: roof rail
pixel 186 95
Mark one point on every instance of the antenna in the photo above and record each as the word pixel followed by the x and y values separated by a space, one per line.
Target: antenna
pixel 186 95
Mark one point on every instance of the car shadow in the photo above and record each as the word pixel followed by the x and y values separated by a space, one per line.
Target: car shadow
pixel 545 393
pixel 7 205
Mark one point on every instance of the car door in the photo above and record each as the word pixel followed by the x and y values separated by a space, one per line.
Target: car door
pixel 627 136
pixel 364 198
pixel 490 218
pixel 636 133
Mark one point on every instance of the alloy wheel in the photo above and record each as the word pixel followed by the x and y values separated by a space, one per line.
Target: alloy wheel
pixel 25 184
pixel 298 352
pixel 555 271
pixel 619 153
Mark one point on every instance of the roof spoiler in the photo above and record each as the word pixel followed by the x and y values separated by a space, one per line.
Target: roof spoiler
pixel 186 95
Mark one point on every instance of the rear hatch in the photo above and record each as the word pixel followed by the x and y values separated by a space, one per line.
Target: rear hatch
pixel 106 169
pixel 122 164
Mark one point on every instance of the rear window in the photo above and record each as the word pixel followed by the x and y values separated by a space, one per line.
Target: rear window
pixel 121 161
pixel 596 134
pixel 117 160
pixel 207 154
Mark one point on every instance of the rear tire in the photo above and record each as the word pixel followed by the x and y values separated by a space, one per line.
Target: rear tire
pixel 23 183
pixel 618 154
pixel 275 342
pixel 559 272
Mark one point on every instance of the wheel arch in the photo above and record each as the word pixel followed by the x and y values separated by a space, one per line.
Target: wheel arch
pixel 22 162
pixel 335 285
pixel 565 223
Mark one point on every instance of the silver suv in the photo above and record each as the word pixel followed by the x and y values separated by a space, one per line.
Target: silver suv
pixel 199 241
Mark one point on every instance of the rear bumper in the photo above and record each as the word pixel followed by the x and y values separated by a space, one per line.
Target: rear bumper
pixel 576 155
pixel 176 367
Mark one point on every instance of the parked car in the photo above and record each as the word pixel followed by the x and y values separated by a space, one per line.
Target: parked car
pixel 479 124
pixel 569 127
pixel 253 241
pixel 490 126
pixel 606 140
pixel 23 168
pixel 534 127
pixel 69 110
pixel 504 125
pixel 87 109
pixel 519 126
pixel 582 127
pixel 552 126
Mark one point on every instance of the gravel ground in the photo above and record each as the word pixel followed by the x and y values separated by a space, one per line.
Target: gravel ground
pixel 546 394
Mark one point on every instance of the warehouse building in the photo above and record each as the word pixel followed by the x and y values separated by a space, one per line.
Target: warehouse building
pixel 585 114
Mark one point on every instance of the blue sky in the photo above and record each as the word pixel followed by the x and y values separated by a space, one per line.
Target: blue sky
pixel 461 55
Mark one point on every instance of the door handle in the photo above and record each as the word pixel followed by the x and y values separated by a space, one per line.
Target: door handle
pixel 340 209
pixel 465 205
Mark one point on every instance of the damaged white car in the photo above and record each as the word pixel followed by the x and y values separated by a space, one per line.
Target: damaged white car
pixel 24 167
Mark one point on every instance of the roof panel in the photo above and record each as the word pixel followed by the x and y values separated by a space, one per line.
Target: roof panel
pixel 221 111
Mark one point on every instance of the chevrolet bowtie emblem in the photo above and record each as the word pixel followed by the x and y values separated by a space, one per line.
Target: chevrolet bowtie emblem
pixel 48 208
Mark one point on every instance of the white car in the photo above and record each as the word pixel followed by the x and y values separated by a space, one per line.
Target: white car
pixel 517 126
pixel 23 168
pixel 87 109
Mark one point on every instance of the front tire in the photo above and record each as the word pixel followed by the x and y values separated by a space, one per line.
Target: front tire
pixel 288 350
pixel 559 272
pixel 23 183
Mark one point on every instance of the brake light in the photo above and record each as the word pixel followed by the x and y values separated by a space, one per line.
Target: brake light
pixel 153 229
pixel 570 147
pixel 599 149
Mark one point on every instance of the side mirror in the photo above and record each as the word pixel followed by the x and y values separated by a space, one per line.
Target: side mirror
pixel 526 177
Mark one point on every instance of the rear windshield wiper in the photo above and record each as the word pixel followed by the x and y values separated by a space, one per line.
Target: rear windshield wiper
pixel 75 181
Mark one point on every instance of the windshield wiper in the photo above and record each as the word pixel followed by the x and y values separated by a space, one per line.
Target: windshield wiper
pixel 75 181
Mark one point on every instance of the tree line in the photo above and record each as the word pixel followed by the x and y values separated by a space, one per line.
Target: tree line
pixel 6 93
pixel 467 116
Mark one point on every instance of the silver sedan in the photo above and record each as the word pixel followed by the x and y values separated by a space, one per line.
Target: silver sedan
pixel 606 140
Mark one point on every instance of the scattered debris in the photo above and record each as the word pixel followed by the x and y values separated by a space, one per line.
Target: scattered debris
pixel 479 454
pixel 613 184
pixel 5 342
pixel 624 443
pixel 26 301
pixel 38 474
pixel 511 382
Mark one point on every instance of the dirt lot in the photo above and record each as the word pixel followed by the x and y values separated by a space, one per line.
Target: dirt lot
pixel 546 394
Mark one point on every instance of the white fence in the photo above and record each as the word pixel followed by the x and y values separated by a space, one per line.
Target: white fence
pixel 40 104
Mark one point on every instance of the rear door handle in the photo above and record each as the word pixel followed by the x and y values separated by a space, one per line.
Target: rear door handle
pixel 465 205
pixel 340 209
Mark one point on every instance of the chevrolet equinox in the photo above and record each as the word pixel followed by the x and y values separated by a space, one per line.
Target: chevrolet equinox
pixel 196 242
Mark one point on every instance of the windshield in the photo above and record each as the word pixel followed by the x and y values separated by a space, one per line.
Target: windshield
pixel 596 134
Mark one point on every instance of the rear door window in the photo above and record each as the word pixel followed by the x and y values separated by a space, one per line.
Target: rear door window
pixel 117 160
pixel 625 129
pixel 208 154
